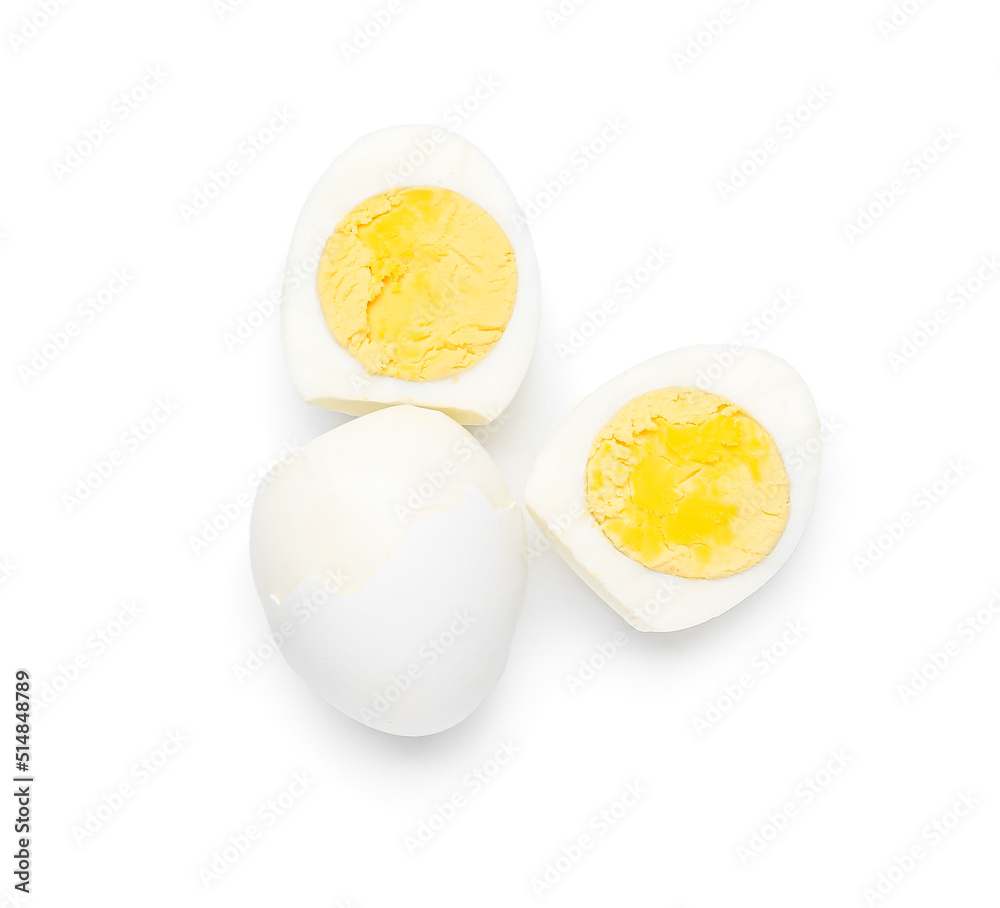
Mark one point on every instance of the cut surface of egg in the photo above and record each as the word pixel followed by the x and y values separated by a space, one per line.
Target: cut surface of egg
pixel 411 278
pixel 680 487
pixel 389 557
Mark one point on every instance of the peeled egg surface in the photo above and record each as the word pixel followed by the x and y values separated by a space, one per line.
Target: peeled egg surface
pixel 759 434
pixel 389 557
pixel 411 278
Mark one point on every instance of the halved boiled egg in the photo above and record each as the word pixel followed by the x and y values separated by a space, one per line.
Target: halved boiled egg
pixel 412 278
pixel 675 490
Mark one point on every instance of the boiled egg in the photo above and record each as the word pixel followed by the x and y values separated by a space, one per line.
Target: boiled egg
pixel 389 557
pixel 678 488
pixel 411 278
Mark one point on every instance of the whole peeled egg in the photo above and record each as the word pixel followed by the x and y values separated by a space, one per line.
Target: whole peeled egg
pixel 389 557
pixel 680 487
pixel 411 278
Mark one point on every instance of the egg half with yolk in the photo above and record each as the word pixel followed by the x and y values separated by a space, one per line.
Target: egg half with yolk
pixel 412 279
pixel 680 487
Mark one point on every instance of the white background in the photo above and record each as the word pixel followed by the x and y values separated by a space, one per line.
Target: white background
pixel 894 432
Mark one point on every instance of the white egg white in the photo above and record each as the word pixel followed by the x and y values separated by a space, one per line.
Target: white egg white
pixel 325 373
pixel 763 385
pixel 389 557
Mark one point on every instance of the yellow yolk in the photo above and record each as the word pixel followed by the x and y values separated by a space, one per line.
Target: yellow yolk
pixel 417 283
pixel 687 483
